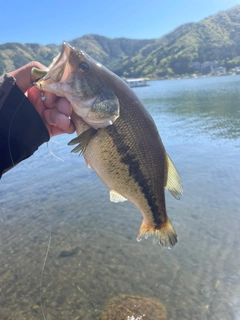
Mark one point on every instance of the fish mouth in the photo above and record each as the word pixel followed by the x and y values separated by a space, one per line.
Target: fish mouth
pixel 56 72
pixel 63 55
pixel 58 67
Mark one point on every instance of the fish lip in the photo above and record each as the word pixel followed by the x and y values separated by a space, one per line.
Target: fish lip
pixel 66 49
pixel 67 46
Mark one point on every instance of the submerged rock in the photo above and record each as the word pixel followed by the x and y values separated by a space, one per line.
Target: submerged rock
pixel 126 307
pixel 69 252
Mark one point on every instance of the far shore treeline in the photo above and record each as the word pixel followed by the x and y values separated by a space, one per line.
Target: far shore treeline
pixel 211 46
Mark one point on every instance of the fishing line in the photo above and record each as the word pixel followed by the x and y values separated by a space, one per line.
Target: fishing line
pixel 50 151
pixel 45 261
pixel 40 205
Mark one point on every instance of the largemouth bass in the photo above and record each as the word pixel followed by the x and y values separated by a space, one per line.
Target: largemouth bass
pixel 126 151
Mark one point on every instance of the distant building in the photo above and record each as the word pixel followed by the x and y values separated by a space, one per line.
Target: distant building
pixel 208 66
pixel 237 70
pixel 219 70
pixel 138 82
pixel 205 67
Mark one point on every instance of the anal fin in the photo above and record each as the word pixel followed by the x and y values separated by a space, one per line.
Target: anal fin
pixel 116 197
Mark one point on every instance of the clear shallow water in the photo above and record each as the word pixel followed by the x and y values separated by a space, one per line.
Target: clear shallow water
pixel 199 122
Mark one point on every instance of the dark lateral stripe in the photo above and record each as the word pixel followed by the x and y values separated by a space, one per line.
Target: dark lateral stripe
pixel 135 171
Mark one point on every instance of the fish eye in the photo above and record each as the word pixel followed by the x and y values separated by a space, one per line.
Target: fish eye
pixel 83 66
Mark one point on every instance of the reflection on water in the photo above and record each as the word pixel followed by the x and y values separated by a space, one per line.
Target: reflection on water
pixel 94 255
pixel 208 105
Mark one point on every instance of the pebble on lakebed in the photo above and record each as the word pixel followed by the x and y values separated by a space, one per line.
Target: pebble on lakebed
pixel 126 307
pixel 68 252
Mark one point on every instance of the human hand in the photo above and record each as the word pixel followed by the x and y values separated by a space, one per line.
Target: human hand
pixel 54 111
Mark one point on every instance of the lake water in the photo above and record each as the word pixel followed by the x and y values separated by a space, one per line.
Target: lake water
pixel 94 255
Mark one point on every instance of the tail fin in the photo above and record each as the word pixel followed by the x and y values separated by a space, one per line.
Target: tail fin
pixel 166 233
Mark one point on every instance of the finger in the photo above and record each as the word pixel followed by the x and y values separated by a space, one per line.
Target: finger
pixel 64 106
pixel 54 117
pixel 55 131
pixel 64 123
pixel 51 98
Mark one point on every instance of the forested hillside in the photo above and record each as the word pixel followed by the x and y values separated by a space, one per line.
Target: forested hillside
pixel 216 38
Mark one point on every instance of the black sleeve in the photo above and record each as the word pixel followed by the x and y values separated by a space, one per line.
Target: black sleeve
pixel 22 130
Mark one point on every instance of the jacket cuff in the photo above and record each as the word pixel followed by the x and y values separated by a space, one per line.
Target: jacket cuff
pixel 6 84
pixel 22 130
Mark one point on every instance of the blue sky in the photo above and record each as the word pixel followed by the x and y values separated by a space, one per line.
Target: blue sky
pixel 53 21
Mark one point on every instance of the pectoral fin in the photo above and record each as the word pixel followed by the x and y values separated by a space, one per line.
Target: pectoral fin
pixel 83 140
pixel 173 181
pixel 116 197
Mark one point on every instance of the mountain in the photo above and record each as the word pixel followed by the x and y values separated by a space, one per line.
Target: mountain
pixel 216 38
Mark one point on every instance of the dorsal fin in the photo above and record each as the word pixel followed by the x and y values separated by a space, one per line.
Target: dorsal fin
pixel 173 181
